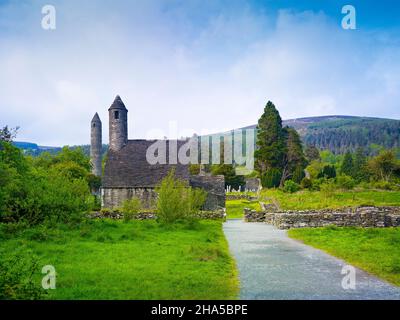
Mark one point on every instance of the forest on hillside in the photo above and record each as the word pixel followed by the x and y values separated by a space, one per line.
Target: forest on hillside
pixel 342 135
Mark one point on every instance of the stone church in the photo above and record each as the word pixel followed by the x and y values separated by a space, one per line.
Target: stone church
pixel 127 172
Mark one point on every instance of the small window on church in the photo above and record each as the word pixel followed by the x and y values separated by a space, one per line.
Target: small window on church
pixel 116 115
pixel 94 125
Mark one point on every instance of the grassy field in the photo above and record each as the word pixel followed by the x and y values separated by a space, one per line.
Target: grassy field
pixel 234 208
pixel 305 200
pixel 376 250
pixel 106 259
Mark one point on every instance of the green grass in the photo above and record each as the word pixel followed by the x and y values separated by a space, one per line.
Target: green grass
pixel 376 250
pixel 307 200
pixel 104 259
pixel 234 208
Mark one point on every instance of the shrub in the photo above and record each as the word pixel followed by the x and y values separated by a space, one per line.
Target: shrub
pixel 11 230
pixel 196 198
pixel 384 166
pixel 328 188
pixel 314 169
pixel 176 200
pixel 194 169
pixel 290 186
pixel 306 183
pixel 105 211
pixel 345 182
pixel 316 183
pixel 130 208
pixel 16 277
pixel 36 194
pixel 232 180
pixel 328 172
pixel 384 185
pixel 271 178
pixel 96 206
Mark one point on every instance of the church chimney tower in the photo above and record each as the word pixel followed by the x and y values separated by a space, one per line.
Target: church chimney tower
pixel 118 124
pixel 95 145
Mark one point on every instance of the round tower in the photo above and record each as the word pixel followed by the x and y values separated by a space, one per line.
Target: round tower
pixel 95 145
pixel 118 124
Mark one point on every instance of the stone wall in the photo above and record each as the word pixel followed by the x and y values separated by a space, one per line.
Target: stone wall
pixel 357 217
pixel 252 184
pixel 219 214
pixel 240 196
pixel 215 188
pixel 114 197
pixel 213 185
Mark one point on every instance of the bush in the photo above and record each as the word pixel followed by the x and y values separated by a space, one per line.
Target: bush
pixel 345 182
pixel 130 208
pixel 194 169
pixel 271 178
pixel 34 192
pixel 328 172
pixel 105 211
pixel 328 188
pixel 290 186
pixel 16 277
pixel 316 183
pixel 176 200
pixel 384 185
pixel 306 183
pixel 232 180
pixel 196 198
pixel 314 168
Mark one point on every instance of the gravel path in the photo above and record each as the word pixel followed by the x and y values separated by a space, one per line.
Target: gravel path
pixel 273 266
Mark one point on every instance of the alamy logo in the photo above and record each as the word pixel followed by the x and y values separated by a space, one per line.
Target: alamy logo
pixel 235 148
pixel 49 280
pixel 349 20
pixel 49 18
pixel 349 280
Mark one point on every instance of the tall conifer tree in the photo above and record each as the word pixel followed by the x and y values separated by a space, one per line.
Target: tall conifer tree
pixel 271 147
pixel 347 165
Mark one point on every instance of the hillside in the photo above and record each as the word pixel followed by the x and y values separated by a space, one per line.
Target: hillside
pixel 342 133
pixel 33 149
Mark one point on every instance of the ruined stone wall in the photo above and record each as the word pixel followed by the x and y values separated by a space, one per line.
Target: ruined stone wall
pixel 252 184
pixel 219 214
pixel 114 197
pixel 241 196
pixel 215 188
pixel 358 217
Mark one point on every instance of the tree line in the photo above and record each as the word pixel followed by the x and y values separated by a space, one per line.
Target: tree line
pixel 50 186
pixel 282 161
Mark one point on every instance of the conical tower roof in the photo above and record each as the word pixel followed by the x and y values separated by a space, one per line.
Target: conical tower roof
pixel 118 104
pixel 96 118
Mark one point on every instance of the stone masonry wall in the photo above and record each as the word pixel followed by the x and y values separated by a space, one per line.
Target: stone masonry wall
pixel 215 188
pixel 219 214
pixel 114 197
pixel 358 217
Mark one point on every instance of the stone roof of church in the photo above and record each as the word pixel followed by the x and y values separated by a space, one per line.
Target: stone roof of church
pixel 128 167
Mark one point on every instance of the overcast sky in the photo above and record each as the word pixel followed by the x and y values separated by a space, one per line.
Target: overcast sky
pixel 204 65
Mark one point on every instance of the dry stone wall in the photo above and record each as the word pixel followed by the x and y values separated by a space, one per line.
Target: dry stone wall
pixel 355 217
pixel 219 214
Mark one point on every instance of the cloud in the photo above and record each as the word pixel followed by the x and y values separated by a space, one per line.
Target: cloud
pixel 200 64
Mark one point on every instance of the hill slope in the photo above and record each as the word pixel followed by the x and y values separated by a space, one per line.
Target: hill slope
pixel 342 133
